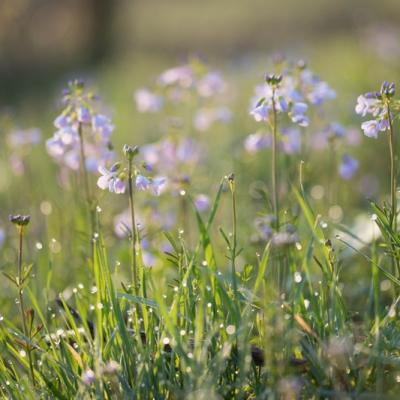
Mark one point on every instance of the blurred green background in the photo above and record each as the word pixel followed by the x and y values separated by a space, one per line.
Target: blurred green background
pixel 119 46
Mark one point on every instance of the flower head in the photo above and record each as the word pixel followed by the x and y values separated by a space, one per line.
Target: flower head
pixel 111 180
pixel 348 167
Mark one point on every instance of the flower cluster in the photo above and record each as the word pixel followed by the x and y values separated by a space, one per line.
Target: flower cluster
pixel 115 178
pixel 265 233
pixel 180 85
pixel 348 166
pixel 377 104
pixel 79 121
pixel 289 141
pixel 20 142
pixel 172 155
pixel 290 94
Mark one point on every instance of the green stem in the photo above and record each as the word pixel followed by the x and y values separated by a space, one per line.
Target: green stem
pixel 22 306
pixel 393 170
pixel 85 178
pixel 134 229
pixel 274 166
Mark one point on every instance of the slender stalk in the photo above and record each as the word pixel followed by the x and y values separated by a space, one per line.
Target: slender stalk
pixel 134 235
pixel 22 306
pixel 274 165
pixel 85 178
pixel 233 246
pixel 393 170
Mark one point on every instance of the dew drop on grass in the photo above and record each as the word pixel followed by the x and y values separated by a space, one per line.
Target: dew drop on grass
pixel 22 353
pixel 298 246
pixel 182 332
pixel 46 208
pixel 306 303
pixel 39 246
pixel 230 329
pixel 385 285
pixel 166 341
pixel 93 290
pixel 297 277
pixel 1 318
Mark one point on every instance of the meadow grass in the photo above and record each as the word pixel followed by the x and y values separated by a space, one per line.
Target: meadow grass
pixel 217 315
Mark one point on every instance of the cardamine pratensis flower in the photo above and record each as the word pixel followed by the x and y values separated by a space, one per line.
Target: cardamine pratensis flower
pixel 80 117
pixel 348 167
pixel 376 104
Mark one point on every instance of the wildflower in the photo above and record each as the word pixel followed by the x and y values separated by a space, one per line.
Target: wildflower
pixel 88 377
pixel 80 118
pixel 291 140
pixel 142 183
pixel 370 128
pixel 375 103
pixel 211 84
pixel 83 115
pixel 102 124
pixel 257 141
pixel 348 167
pixel 20 220
pixel 147 101
pixel 2 237
pixel 157 184
pixel 202 202
pixel 23 138
pixel 206 117
pixel 297 114
pixel 111 180
pixel 111 368
pixel 130 151
pixel 290 93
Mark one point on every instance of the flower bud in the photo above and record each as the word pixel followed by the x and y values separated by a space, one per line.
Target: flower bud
pixel 130 151
pixel 388 89
pixel 20 220
pixel 273 80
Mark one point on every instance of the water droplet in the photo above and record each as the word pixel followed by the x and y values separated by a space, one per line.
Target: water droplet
pixel 297 277
pixel 230 329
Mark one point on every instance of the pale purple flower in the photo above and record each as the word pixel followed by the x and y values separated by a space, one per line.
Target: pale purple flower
pixel 373 127
pixel 315 90
pixel 110 180
pixel 182 76
pixel 256 142
pixel 102 124
pixel 147 101
pixel 368 104
pixel 142 183
pixel 261 112
pixel 206 117
pixel 348 167
pixel 149 260
pixel 23 138
pixel 2 237
pixel 297 114
pixel 202 202
pixel 83 115
pixel 88 377
pixel 157 185
pixel 123 223
pixel 211 84
pixel 61 122
pixel 291 140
